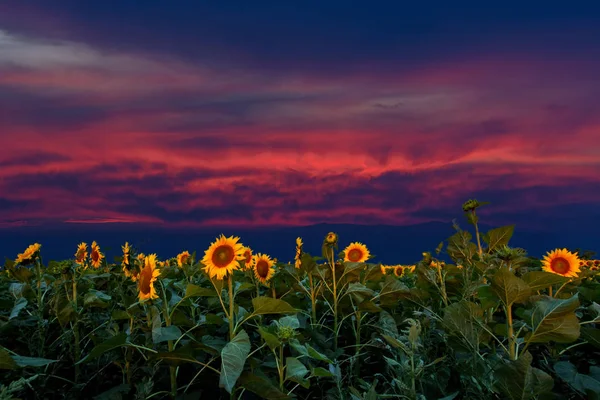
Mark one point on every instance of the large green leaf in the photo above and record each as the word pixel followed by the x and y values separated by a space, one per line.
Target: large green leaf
pixel 592 335
pixel 509 288
pixel 268 305
pixel 114 342
pixel 233 358
pixel 359 292
pixel 165 333
pixel 295 371
pixel 541 279
pixel 553 320
pixel 20 304
pixel 307 351
pixel 518 380
pixel 261 386
pixel 498 237
pixel 6 361
pixel 192 290
pixel 461 319
pixel 23 361
pixel 270 338
pixel 460 246
pixel 584 384
pixel 96 298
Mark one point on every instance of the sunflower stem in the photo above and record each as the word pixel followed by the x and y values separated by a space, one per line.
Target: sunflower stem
pixel 313 300
pixel 511 333
pixel 38 270
pixel 335 305
pixel 561 288
pixel 550 291
pixel 231 316
pixel 77 349
pixel 477 234
pixel 172 370
pixel 273 291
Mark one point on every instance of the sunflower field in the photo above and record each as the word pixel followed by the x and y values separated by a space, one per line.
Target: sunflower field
pixel 473 319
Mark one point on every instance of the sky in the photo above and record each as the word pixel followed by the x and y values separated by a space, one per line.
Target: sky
pixel 184 115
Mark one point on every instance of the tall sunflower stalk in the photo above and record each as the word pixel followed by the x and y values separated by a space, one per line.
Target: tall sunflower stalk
pixel 329 244
pixel 81 263
pixel 31 255
pixel 220 260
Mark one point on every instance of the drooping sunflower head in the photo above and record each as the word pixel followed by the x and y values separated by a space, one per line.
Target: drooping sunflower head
pixel 81 253
pixel 96 256
pixel 356 252
pixel 263 268
pixel 398 270
pixel 147 277
pixel 29 255
pixel 223 256
pixel 248 259
pixel 561 262
pixel 183 258
pixel 331 238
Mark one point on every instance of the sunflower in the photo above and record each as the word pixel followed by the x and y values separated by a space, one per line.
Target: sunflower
pixel 263 268
pixel 331 238
pixel 248 259
pixel 398 270
pixel 298 257
pixel 96 255
pixel 183 258
pixel 383 269
pixel 29 254
pixel 223 256
pixel 588 263
pixel 141 257
pixel 411 268
pixel 147 277
pixel 561 262
pixel 437 264
pixel 356 252
pixel 81 253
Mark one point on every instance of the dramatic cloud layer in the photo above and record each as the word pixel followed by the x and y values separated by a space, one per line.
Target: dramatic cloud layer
pixel 288 117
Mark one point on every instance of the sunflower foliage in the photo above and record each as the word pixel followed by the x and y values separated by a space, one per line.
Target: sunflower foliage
pixel 475 318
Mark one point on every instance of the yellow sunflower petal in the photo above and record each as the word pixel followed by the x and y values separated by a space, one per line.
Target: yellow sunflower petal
pixel 356 252
pixel 561 262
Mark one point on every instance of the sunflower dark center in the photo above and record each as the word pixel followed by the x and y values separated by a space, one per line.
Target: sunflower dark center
pixel 560 265
pixel 262 268
pixel 354 255
pixel 145 278
pixel 398 271
pixel 95 255
pixel 248 256
pixel 223 256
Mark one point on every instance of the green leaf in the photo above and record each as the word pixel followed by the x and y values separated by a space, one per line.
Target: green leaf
pixel 118 315
pixel 114 342
pixel 307 351
pixel 20 304
pixel 553 320
pixel 165 333
pixel 242 287
pixel 290 321
pixel 116 393
pixel 582 383
pixel 295 371
pixel 321 372
pixel 261 386
pixel 395 343
pixel 542 280
pixel 197 291
pixel 369 306
pixel 271 339
pixel 498 237
pixel 487 297
pixel 6 361
pixel 360 292
pixel 509 288
pixel 461 319
pixel 178 356
pixel 268 305
pixel 519 381
pixel 233 358
pixel 592 335
pixel 23 361
pixel 96 298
